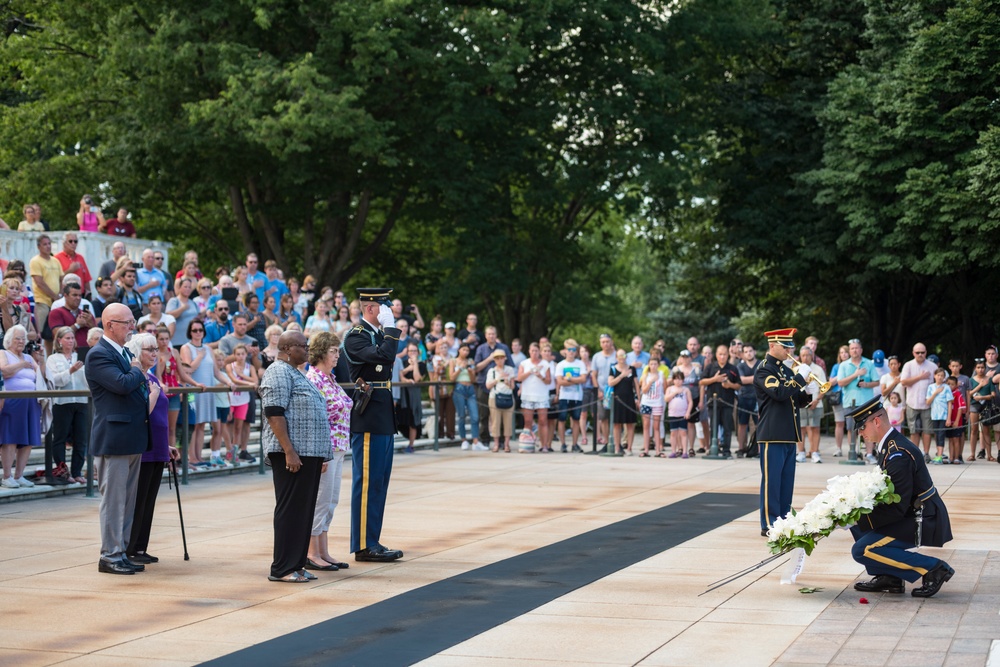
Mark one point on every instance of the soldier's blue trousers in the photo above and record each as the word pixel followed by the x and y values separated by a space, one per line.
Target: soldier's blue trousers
pixel 881 554
pixel 777 481
pixel 371 462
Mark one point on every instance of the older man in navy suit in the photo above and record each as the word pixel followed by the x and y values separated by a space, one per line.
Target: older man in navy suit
pixel 120 435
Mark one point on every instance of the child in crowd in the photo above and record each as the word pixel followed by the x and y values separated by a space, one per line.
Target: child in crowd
pixel 956 434
pixel 940 397
pixel 679 404
pixel 895 411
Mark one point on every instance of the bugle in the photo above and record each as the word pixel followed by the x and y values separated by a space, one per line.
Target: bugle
pixel 823 386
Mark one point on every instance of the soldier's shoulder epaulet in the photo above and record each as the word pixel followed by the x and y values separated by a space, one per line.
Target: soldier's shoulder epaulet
pixel 893 449
pixel 357 329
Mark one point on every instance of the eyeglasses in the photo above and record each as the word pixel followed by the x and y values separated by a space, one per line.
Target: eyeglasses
pixel 919 352
pixel 854 341
pixel 72 241
pixel 128 323
pixel 150 349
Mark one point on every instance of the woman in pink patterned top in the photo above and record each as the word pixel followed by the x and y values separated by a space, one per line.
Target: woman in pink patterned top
pixel 324 351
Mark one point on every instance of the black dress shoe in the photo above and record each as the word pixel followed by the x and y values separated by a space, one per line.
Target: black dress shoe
pixel 113 567
pixel 399 554
pixel 142 559
pixel 882 583
pixel 933 580
pixel 313 565
pixel 138 567
pixel 763 532
pixel 376 555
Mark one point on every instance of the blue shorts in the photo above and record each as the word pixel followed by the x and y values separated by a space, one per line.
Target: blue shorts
pixel 222 415
pixel 174 402
pixel 678 424
pixel 573 407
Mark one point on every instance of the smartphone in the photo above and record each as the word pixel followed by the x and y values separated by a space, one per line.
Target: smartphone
pixel 3 290
pixel 86 308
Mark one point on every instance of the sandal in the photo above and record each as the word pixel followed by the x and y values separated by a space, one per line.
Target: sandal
pixel 293 578
pixel 661 455
pixel 643 455
pixel 506 450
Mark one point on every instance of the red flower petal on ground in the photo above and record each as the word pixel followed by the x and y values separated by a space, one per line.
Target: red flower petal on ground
pixel 863 600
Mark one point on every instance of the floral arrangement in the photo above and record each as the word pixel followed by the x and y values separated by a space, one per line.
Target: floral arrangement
pixel 845 500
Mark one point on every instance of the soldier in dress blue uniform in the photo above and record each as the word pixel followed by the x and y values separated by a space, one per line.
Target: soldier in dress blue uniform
pixel 884 537
pixel 370 348
pixel 780 394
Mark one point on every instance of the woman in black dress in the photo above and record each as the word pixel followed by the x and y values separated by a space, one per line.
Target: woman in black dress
pixel 409 412
pixel 626 390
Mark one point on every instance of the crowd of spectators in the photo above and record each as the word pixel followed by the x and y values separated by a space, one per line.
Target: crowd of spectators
pixel 223 328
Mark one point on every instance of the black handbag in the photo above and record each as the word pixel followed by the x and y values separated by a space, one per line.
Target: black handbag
pixel 990 414
pixel 503 401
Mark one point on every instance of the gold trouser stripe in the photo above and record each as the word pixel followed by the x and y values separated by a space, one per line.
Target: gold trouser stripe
pixel 767 514
pixel 365 456
pixel 870 553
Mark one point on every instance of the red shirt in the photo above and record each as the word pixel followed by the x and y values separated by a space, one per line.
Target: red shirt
pixel 957 408
pixel 117 228
pixel 84 273
pixel 63 317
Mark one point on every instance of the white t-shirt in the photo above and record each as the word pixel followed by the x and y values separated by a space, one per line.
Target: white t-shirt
pixel 900 390
pixel 166 320
pixel 653 396
pixel 571 369
pixel 533 388
pixel 916 393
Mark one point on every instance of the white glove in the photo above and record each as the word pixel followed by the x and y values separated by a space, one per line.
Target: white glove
pixel 804 370
pixel 385 318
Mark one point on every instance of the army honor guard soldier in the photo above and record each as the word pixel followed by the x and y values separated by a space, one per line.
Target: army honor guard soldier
pixel 883 539
pixel 780 394
pixel 370 348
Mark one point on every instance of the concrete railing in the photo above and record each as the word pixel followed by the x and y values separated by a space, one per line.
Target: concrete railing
pixel 95 247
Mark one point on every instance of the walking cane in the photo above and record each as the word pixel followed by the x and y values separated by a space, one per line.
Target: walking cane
pixel 180 512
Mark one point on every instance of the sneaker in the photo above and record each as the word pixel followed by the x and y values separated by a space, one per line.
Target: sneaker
pixel 9 483
pixel 927 458
pixel 577 449
pixel 564 449
pixel 937 460
pixel 217 460
pixel 816 458
pixel 246 456
pixel 479 447
pixel 409 449
pixel 701 450
pixel 838 453
pixel 465 444
pixel 800 457
pixel 871 460
pixel 24 483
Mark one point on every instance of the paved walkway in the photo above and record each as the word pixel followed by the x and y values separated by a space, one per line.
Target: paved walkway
pixel 453 512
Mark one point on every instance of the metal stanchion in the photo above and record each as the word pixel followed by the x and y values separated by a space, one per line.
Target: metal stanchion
pixel 610 449
pixel 185 437
pixel 437 415
pixel 90 447
pixel 854 457
pixel 713 448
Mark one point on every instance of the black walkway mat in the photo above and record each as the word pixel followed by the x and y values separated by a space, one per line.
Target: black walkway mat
pixel 413 626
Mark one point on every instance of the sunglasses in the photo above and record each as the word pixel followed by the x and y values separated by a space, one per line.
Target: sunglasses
pixel 194 331
pixel 72 241
pixel 854 341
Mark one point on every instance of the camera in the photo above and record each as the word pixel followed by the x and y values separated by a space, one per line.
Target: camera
pixel 31 347
pixel 136 265
pixel 88 200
